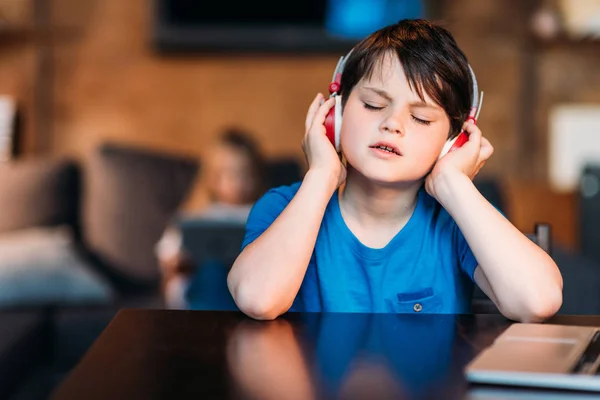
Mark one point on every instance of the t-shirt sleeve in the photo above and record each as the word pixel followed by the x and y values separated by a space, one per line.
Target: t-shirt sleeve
pixel 266 210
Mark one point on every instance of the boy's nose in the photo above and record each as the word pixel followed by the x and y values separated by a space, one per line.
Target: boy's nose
pixel 392 130
pixel 390 126
pixel 392 123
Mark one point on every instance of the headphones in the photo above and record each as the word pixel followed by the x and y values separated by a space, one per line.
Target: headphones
pixel 333 120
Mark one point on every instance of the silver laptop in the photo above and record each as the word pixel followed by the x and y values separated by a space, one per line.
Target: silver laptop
pixel 541 355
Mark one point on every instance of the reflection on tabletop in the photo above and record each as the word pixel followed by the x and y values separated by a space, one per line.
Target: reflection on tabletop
pixel 374 356
pixel 366 356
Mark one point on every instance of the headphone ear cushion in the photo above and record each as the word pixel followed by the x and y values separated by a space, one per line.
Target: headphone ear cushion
pixel 454 144
pixel 333 123
pixel 330 127
pixel 447 146
pixel 338 122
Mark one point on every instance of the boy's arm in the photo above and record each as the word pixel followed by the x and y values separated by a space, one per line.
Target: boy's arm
pixel 520 277
pixel 266 276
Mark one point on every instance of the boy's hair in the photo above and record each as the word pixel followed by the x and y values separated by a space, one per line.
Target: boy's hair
pixel 431 59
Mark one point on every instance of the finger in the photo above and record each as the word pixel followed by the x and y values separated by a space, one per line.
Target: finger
pixel 485 153
pixel 312 109
pixel 473 131
pixel 486 149
pixel 322 112
pixel 471 127
pixel 485 144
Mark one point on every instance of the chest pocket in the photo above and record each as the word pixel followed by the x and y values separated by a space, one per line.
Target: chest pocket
pixel 423 301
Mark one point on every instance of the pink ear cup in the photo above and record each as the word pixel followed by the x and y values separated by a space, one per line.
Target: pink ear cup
pixel 461 139
pixel 457 142
pixel 333 123
pixel 333 119
pixel 330 125
pixel 454 144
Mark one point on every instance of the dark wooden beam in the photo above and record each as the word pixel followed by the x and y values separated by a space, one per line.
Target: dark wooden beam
pixel 44 73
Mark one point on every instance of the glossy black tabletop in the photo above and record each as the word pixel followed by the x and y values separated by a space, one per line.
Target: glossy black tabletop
pixel 162 354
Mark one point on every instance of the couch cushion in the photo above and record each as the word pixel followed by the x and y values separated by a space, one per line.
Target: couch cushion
pixel 129 197
pixel 41 267
pixel 38 192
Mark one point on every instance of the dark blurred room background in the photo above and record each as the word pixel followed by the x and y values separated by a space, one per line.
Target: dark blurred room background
pixel 158 75
pixel 135 92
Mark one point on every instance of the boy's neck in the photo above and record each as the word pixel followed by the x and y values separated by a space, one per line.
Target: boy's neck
pixel 371 204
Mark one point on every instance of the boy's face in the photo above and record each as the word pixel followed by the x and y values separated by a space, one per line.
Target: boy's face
pixel 385 111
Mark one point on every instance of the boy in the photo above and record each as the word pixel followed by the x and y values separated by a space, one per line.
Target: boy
pixel 394 231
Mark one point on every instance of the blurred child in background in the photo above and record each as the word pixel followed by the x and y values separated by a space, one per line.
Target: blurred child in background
pixel 233 175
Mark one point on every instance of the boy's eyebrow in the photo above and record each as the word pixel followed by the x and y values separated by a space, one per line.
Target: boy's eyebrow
pixel 380 92
pixel 386 96
pixel 423 104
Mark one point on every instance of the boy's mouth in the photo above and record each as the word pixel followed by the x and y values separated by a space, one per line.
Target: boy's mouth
pixel 387 147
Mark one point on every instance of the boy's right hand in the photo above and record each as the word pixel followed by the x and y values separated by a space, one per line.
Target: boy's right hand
pixel 320 153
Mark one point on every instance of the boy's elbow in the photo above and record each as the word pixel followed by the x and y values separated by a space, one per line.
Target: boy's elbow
pixel 255 311
pixel 543 307
pixel 540 301
pixel 255 306
pixel 550 306
pixel 547 303
pixel 534 306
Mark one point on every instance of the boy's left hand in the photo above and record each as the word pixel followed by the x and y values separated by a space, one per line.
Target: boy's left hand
pixel 466 160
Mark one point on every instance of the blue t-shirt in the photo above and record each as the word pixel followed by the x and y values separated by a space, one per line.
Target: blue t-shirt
pixel 427 267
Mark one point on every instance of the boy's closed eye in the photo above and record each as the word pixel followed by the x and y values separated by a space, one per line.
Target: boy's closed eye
pixel 420 120
pixel 427 113
pixel 373 107
pixel 415 118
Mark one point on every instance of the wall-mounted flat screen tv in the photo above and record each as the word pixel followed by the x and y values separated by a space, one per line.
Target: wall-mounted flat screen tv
pixel 269 26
